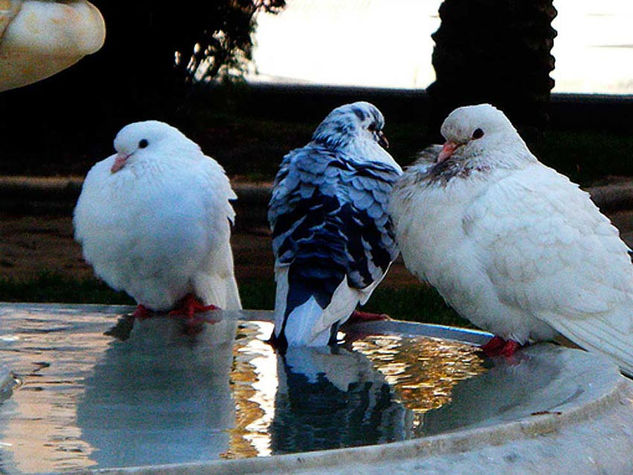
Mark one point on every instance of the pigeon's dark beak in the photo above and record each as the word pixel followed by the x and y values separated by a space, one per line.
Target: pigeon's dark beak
pixel 119 162
pixel 382 140
pixel 447 150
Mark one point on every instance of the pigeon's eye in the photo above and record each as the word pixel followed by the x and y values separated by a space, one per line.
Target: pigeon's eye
pixel 371 127
pixel 143 143
pixel 478 133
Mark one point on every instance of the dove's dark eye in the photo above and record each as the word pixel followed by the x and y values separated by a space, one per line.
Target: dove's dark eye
pixel 478 133
pixel 143 143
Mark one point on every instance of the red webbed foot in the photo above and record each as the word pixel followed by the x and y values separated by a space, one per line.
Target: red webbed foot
pixel 358 316
pixel 188 307
pixel 510 348
pixel 142 312
pixel 497 346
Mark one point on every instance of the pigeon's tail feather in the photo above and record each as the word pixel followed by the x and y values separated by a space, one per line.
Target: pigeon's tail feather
pixel 233 301
pixel 310 305
pixel 601 336
pixel 218 290
pixel 216 283
pixel 299 329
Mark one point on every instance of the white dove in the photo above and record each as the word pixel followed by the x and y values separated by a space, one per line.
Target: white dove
pixel 511 244
pixel 332 237
pixel 155 220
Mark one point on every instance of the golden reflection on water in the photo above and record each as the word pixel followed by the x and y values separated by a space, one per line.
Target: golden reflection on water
pixel 253 385
pixel 421 372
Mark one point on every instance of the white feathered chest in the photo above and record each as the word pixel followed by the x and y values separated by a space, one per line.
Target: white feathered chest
pixel 429 218
pixel 149 231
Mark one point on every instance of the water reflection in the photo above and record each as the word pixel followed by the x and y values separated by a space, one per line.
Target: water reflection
pixel 152 395
pixel 37 423
pixel 422 371
pixel 330 398
pixel 253 385
pixel 530 382
pixel 373 390
pixel 160 396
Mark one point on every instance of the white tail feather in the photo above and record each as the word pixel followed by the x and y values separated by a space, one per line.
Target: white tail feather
pixel 599 336
pixel 309 324
pixel 216 285
pixel 300 325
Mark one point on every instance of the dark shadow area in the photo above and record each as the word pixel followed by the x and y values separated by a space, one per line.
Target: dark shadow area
pixel 63 125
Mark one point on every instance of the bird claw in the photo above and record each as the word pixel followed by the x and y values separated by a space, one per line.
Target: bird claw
pixel 358 316
pixel 497 346
pixel 189 306
pixel 142 312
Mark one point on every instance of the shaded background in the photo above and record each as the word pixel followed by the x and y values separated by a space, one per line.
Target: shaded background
pixel 494 51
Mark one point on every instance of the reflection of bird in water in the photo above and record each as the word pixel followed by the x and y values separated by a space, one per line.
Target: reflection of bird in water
pixel 159 396
pixel 329 397
pixel 537 380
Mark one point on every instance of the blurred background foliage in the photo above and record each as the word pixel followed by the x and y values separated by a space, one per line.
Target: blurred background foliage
pixel 183 64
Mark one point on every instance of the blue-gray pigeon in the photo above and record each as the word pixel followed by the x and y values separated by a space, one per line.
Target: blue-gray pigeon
pixel 332 237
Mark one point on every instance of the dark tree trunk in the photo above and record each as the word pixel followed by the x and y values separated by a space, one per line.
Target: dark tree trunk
pixel 495 51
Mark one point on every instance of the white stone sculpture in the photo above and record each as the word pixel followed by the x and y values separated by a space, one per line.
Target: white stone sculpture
pixel 39 38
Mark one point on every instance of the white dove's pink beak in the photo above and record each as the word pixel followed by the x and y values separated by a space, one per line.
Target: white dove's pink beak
pixel 119 162
pixel 447 150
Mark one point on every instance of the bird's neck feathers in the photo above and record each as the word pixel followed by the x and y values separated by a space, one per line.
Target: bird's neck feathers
pixel 336 134
pixel 349 141
pixel 502 155
pixel 152 169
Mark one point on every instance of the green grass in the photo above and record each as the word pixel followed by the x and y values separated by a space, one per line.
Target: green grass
pixel 416 303
pixel 49 287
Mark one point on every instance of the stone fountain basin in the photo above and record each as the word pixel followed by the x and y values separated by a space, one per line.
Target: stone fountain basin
pixel 551 409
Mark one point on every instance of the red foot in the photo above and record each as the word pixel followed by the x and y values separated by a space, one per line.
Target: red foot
pixel 510 348
pixel 497 346
pixel 142 312
pixel 358 316
pixel 189 306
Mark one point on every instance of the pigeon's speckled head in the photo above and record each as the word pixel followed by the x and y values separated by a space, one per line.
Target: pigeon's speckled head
pixel 360 120
pixel 149 140
pixel 479 132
